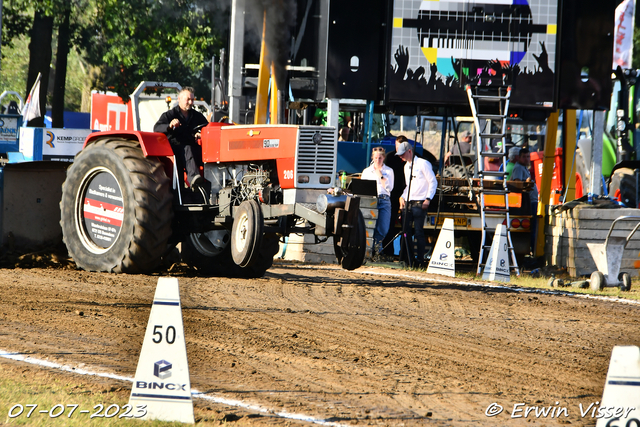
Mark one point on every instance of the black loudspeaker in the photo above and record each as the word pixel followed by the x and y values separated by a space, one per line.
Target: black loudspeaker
pixel 586 54
pixel 356 32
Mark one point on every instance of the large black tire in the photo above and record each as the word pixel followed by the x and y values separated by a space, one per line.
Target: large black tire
pixel 457 171
pixel 623 185
pixel 246 234
pixel 116 208
pixel 206 252
pixel 200 255
pixel 582 175
pixel 264 259
pixel 353 257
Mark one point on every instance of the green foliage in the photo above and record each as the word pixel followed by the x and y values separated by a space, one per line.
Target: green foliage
pixel 118 43
pixel 14 24
pixel 135 40
pixel 15 61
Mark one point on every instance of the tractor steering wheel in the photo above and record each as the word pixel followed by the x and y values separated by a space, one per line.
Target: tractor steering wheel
pixel 199 128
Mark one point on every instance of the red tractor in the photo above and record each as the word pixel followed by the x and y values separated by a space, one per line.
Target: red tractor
pixel 124 207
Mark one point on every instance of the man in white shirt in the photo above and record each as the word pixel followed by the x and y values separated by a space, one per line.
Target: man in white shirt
pixel 417 195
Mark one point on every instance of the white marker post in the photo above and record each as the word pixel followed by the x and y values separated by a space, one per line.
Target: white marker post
pixel 621 395
pixel 497 267
pixel 443 257
pixel 162 378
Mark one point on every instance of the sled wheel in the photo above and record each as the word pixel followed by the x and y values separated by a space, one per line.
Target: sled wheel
pixel 246 234
pixel 116 208
pixel 353 256
pixel 596 281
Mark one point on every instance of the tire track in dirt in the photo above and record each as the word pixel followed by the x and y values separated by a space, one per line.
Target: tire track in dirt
pixel 352 348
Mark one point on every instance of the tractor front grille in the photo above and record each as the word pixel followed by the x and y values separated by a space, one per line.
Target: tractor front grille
pixel 317 158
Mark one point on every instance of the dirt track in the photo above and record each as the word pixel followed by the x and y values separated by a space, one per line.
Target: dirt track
pixel 346 347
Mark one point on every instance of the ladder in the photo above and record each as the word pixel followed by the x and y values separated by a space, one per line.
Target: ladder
pixel 494 102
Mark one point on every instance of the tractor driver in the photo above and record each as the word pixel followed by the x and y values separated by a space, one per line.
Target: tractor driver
pixel 179 125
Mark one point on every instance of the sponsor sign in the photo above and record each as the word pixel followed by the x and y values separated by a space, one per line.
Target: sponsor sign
pixel 162 381
pixel 9 130
pixel 59 145
pixel 443 255
pixel 103 209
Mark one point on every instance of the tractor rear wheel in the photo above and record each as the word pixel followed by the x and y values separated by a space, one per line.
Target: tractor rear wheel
pixel 207 252
pixel 216 261
pixel 116 208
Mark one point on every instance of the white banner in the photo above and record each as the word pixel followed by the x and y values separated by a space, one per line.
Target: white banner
pixel 31 108
pixel 623 34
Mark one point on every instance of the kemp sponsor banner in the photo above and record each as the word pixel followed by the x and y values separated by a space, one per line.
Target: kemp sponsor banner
pixel 60 145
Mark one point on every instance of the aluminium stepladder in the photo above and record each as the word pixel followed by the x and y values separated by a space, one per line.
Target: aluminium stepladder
pixel 494 104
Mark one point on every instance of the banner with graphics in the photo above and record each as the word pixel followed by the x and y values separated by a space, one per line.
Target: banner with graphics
pixel 9 125
pixel 623 34
pixel 439 46
pixel 60 145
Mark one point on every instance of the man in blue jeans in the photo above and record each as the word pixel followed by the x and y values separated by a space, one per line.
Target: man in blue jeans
pixel 417 195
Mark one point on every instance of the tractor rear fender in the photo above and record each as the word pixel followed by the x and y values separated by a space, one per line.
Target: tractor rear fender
pixel 153 144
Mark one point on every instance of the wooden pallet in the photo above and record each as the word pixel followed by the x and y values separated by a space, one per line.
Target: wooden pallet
pixel 567 235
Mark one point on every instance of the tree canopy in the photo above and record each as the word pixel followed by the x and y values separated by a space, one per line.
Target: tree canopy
pixel 118 43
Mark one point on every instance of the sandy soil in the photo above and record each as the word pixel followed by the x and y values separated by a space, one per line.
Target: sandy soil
pixel 371 347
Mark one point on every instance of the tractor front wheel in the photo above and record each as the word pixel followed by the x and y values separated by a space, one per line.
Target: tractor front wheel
pixel 246 234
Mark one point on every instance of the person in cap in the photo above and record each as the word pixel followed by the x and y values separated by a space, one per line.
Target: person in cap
pixel 421 185
pixel 514 154
pixel 397 165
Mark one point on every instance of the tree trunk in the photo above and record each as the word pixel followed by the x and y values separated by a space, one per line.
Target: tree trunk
pixel 40 60
pixel 59 83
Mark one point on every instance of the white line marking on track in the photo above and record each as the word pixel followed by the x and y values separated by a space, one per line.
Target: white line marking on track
pixel 484 285
pixel 284 414
pixel 194 393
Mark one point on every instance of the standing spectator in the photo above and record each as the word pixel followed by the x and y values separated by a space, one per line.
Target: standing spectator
pixel 384 177
pixel 179 125
pixel 397 165
pixel 421 185
pixel 521 173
